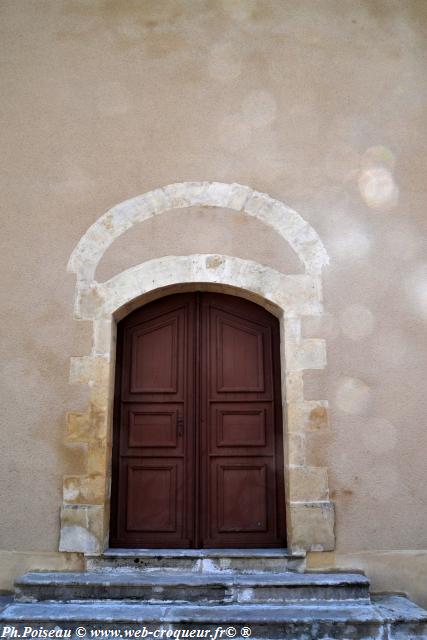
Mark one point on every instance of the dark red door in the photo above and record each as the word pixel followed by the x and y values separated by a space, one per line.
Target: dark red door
pixel 197 453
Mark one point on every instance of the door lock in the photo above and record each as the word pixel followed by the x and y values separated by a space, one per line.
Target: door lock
pixel 180 425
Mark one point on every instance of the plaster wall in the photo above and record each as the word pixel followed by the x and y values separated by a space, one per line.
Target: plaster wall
pixel 321 104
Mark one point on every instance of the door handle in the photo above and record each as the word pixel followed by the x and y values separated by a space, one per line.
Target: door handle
pixel 180 425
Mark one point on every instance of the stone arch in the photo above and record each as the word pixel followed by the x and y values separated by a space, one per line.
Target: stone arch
pixel 85 509
pixel 285 221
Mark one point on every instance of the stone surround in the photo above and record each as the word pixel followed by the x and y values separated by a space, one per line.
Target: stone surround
pixel 85 510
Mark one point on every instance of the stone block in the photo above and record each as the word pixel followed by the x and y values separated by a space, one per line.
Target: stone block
pixel 308 483
pixel 88 301
pixel 98 459
pixel 99 426
pixel 210 194
pixel 298 295
pixel 309 415
pixel 296 449
pixel 103 337
pixel 82 528
pixel 186 194
pixel 312 526
pixel 117 220
pixel 84 489
pixel 292 332
pixel 81 368
pixel 78 426
pixel 89 370
pixel 262 206
pixel 293 387
pixel 309 353
pixel 151 203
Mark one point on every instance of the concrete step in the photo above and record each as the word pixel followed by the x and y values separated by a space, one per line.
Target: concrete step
pixel 198 560
pixel 387 618
pixel 223 587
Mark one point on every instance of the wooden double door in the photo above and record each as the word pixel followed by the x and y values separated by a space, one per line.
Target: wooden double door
pixel 197 452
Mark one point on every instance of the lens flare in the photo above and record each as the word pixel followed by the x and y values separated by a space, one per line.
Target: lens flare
pixel 259 108
pixel 378 155
pixel 223 64
pixel 390 348
pixel 377 188
pixel 349 245
pixel 379 435
pixel 357 322
pixel 384 482
pixel 376 183
pixel 404 241
pixel 352 396
pixel 416 287
pixel 233 133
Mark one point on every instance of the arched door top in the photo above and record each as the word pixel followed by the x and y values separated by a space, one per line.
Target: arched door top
pixel 285 221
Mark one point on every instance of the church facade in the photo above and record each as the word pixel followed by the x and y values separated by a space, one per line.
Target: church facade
pixel 215 283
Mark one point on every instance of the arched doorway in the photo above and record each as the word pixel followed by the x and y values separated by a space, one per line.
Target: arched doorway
pixel 198 435
pixel 85 509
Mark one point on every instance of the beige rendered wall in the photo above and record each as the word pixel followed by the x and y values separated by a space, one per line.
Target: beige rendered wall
pixel 323 105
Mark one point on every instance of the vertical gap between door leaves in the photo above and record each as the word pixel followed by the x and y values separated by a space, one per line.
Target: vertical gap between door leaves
pixel 197 434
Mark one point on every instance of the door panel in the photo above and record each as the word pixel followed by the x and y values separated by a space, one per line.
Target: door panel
pixel 154 358
pixel 197 453
pixel 241 453
pixel 157 481
pixel 153 457
pixel 240 510
pixel 239 358
pixel 237 425
pixel 148 427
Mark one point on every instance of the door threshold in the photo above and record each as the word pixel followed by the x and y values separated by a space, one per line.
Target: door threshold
pixel 203 553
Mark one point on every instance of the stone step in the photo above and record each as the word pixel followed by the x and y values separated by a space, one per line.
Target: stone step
pixel 387 618
pixel 214 588
pixel 199 560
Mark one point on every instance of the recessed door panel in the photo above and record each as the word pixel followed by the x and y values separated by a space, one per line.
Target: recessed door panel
pixel 241 496
pixel 152 426
pixel 237 425
pixel 155 358
pixel 152 496
pixel 239 356
pixel 153 429
pixel 197 429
